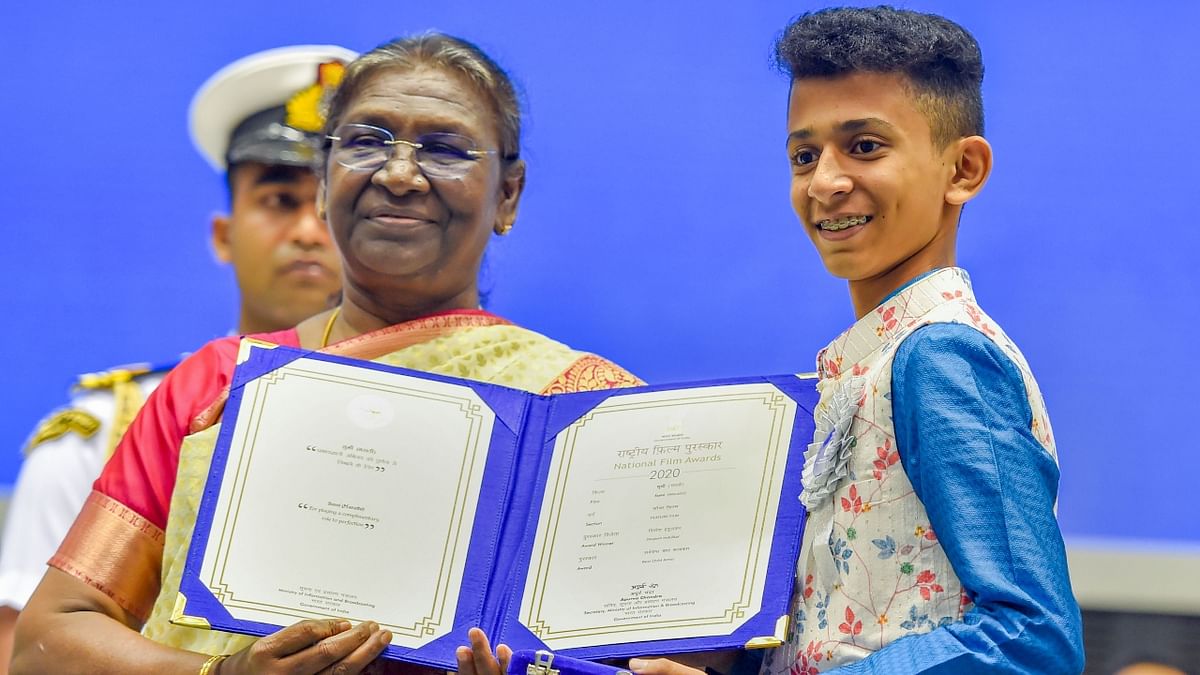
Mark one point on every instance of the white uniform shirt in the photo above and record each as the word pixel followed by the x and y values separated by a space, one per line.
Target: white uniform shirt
pixel 55 480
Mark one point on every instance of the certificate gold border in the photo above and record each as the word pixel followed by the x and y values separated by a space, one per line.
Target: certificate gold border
pixel 442 604
pixel 777 450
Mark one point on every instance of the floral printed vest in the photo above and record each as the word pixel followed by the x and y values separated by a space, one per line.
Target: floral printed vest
pixel 871 569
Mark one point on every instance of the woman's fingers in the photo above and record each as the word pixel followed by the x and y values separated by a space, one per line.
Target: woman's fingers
pixel 299 636
pixel 269 653
pixel 360 660
pixel 310 647
pixel 333 650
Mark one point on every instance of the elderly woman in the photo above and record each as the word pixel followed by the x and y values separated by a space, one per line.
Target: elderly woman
pixel 422 166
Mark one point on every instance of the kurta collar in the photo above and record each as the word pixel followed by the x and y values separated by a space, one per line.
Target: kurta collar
pixel 893 317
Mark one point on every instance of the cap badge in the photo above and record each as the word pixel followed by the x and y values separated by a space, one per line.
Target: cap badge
pixel 304 107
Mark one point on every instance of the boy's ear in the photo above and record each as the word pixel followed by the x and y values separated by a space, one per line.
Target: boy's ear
pixel 972 166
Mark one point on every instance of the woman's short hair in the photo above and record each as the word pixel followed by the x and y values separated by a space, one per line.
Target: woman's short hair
pixel 439 51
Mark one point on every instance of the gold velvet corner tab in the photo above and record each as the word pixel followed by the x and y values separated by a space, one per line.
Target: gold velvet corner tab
pixel 776 640
pixel 180 619
pixel 763 643
pixel 247 344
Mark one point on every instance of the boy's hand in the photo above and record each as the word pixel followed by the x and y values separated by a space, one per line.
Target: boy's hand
pixel 693 663
pixel 661 667
pixel 478 658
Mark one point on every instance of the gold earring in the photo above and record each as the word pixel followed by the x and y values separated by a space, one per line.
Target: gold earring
pixel 502 228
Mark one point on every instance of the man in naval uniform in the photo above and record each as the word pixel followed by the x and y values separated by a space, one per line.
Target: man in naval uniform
pixel 256 121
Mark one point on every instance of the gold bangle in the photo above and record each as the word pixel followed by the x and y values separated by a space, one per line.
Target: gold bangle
pixel 210 666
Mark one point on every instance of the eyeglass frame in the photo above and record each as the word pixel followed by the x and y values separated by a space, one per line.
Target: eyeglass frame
pixel 392 140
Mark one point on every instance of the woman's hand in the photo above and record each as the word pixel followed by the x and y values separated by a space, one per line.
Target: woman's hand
pixel 478 658
pixel 311 647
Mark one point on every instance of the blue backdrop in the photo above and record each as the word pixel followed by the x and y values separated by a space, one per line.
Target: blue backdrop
pixel 656 228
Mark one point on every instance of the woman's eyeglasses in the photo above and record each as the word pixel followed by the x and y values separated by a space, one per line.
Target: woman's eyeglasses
pixel 362 147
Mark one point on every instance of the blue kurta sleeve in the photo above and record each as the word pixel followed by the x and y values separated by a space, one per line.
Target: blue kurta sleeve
pixel 962 422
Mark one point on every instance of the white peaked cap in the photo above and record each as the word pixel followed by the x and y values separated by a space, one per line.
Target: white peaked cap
pixel 251 85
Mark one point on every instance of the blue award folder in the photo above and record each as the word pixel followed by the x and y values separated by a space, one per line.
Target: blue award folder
pixel 615 523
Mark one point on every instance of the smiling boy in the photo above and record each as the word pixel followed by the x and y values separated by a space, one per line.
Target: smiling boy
pixel 932 543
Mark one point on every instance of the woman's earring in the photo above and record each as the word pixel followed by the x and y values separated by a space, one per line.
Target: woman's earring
pixel 502 228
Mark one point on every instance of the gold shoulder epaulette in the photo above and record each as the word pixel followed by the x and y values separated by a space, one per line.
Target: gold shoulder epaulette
pixel 107 379
pixel 62 423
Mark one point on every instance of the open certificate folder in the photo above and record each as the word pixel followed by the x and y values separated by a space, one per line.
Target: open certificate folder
pixel 601 524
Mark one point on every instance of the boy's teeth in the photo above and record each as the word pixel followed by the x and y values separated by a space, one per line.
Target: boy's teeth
pixel 843 223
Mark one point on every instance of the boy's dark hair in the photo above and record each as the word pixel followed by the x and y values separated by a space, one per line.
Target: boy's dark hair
pixel 939 57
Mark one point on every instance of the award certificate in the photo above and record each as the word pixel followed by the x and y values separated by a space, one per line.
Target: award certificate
pixel 599 524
